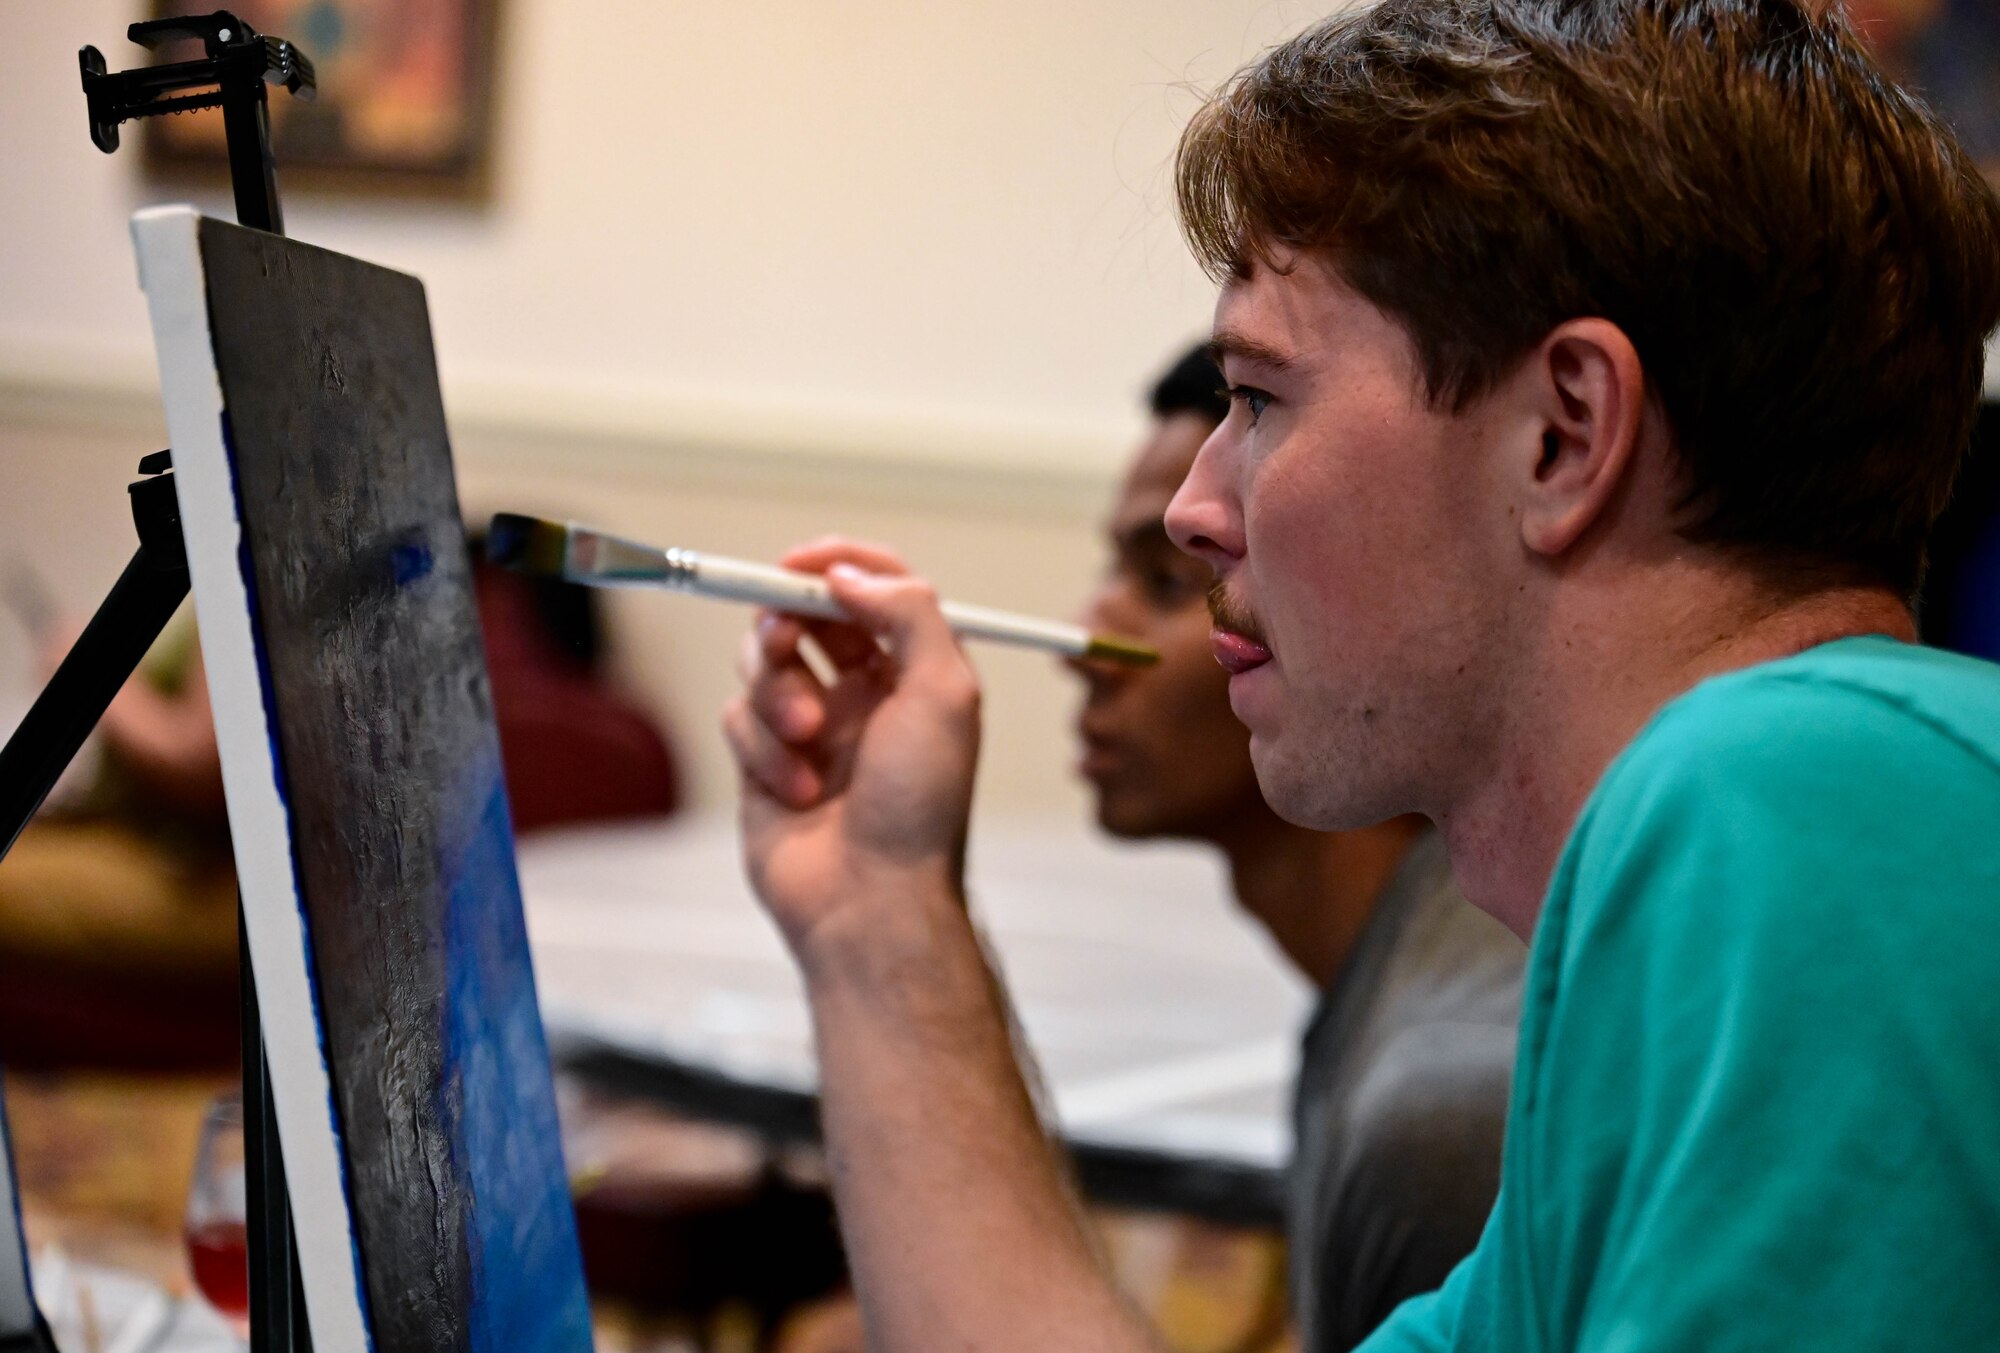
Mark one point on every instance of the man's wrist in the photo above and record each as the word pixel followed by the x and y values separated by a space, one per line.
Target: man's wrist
pixel 910 943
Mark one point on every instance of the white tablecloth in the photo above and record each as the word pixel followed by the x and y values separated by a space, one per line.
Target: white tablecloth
pixel 1162 1018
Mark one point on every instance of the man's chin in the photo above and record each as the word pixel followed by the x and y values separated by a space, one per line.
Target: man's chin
pixel 1311 801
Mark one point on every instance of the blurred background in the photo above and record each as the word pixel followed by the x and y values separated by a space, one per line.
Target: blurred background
pixel 720 276
pixel 724 276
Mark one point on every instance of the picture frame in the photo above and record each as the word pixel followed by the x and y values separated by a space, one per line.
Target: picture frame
pixel 404 104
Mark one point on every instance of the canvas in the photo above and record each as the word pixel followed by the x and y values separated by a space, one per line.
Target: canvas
pixel 20 1324
pixel 332 587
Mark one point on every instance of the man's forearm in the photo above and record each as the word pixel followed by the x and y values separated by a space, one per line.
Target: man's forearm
pixel 960 1225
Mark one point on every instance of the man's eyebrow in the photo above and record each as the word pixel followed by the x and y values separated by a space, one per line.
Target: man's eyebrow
pixel 1230 343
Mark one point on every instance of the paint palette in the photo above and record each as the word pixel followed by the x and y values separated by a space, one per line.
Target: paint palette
pixel 373 846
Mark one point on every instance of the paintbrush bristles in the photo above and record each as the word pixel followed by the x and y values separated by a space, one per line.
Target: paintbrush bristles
pixel 580 555
pixel 1112 648
pixel 528 544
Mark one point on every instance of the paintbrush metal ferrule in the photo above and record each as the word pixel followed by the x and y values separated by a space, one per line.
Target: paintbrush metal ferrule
pixel 582 555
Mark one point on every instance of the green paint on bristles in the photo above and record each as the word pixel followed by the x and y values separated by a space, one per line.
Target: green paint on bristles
pixel 1115 649
pixel 527 544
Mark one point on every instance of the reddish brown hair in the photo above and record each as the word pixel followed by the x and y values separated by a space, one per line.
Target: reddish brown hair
pixel 1806 260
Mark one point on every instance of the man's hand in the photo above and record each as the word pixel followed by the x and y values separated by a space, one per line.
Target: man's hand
pixel 856 791
pixel 961 1230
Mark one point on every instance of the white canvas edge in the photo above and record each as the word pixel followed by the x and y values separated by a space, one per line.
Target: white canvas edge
pixel 17 1298
pixel 170 273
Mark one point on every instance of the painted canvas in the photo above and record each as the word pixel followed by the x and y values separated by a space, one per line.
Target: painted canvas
pixel 21 1327
pixel 363 775
pixel 404 104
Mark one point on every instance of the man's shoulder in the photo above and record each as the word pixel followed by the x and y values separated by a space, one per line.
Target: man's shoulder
pixel 1865 733
pixel 1766 959
pixel 1866 697
pixel 1796 797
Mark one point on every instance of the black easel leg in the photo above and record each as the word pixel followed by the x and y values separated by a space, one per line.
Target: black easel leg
pixel 132 616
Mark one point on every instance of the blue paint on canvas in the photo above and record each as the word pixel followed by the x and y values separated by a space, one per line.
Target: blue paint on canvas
pixel 527 1279
pixel 246 568
pixel 389 765
pixel 411 562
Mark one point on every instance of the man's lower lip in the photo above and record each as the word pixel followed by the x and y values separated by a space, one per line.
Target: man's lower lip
pixel 1237 653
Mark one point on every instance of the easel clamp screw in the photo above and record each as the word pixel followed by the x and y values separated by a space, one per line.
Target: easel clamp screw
pixel 235 54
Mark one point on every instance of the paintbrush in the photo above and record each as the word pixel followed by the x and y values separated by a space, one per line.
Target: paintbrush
pixel 581 555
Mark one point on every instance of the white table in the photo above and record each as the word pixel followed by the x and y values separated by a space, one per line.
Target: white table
pixel 1164 1022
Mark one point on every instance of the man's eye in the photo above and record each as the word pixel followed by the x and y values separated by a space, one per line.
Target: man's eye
pixel 1251 398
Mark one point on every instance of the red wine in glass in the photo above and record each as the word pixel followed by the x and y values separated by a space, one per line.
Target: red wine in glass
pixel 219 1255
pixel 218 1238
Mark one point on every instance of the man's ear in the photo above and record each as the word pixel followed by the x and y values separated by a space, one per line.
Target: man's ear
pixel 1590 393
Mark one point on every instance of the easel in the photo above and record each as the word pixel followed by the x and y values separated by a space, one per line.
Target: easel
pixel 236 65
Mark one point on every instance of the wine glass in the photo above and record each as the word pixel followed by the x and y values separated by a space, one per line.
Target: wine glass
pixel 218 1237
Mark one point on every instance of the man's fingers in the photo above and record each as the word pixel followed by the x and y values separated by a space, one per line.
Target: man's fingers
pixel 776 637
pixel 817 556
pixel 779 770
pixel 903 612
pixel 784 691
pixel 847 646
pixel 791 702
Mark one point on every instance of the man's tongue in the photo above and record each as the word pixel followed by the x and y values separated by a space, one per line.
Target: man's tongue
pixel 1238 652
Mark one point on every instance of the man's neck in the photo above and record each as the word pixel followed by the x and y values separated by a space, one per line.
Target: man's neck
pixel 1588 693
pixel 1314 891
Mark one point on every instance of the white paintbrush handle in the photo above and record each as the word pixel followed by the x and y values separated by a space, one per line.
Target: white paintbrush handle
pixel 807 594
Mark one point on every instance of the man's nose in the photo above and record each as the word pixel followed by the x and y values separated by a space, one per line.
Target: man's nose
pixel 1205 519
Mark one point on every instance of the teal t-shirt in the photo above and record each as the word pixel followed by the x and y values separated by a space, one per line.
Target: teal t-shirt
pixel 1757 1096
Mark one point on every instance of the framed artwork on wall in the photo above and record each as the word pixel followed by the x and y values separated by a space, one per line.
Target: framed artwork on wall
pixel 404 106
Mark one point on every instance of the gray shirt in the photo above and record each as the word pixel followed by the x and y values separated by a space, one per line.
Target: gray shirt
pixel 1402 1101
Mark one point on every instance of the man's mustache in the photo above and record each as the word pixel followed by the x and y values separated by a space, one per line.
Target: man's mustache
pixel 1230 614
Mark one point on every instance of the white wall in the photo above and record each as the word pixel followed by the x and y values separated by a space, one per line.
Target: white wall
pixel 937 219
pixel 749 272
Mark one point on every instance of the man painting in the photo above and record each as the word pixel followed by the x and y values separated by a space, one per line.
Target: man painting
pixel 1598 371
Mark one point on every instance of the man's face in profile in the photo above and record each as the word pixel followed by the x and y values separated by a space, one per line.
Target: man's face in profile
pixel 1366 567
pixel 1159 745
